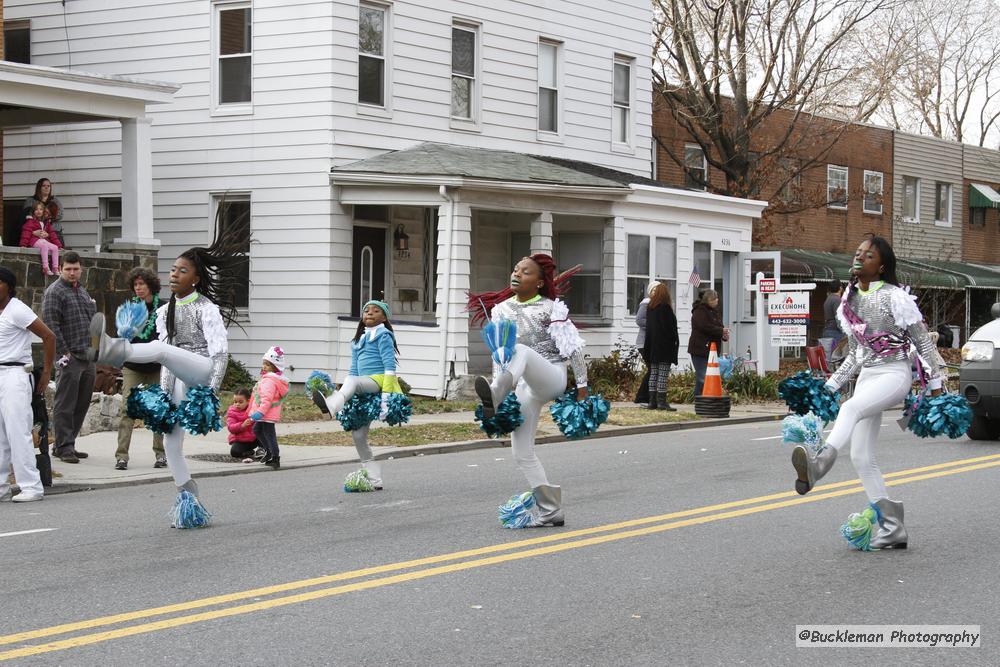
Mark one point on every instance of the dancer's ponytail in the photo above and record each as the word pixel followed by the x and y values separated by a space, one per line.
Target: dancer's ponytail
pixel 171 311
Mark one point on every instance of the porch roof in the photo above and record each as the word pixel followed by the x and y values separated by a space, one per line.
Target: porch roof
pixel 920 273
pixel 447 164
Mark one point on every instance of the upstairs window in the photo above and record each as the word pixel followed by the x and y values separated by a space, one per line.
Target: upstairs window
pixel 235 55
pixel 695 167
pixel 17 42
pixel 463 71
pixel 836 186
pixel 548 86
pixel 372 55
pixel 911 199
pixel 977 217
pixel 873 192
pixel 621 130
pixel 942 204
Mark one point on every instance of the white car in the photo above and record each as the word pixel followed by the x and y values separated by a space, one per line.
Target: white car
pixel 980 378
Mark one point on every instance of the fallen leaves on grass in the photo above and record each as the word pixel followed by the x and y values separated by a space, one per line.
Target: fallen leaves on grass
pixel 398 436
pixel 643 416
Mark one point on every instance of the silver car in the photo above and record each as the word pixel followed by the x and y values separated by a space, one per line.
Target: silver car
pixel 980 378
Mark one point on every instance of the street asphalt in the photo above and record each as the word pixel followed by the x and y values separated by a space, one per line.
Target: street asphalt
pixel 627 581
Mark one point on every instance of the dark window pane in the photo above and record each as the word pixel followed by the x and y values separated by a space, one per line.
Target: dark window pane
pixel 463 52
pixel 234 80
pixel 584 296
pixel 371 31
pixel 635 292
pixel 235 216
pixel 461 97
pixel 17 45
pixel 234 31
pixel 622 84
pixel 371 85
pixel 548 110
pixel 638 255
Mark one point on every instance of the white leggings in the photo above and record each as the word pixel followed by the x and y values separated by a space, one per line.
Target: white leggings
pixel 860 419
pixel 173 442
pixel 355 384
pixel 537 381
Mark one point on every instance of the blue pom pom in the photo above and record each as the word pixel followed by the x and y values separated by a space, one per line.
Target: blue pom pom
pixel 152 405
pixel 321 382
pixel 501 338
pixel 361 410
pixel 507 417
pixel 516 512
pixel 806 430
pixel 804 393
pixel 188 512
pixel 198 413
pixel 578 419
pixel 400 409
pixel 945 414
pixel 130 318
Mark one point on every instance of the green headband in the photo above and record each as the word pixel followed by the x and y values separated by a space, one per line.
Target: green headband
pixel 381 304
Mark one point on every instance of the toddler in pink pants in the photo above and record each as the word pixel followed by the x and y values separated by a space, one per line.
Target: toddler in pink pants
pixel 38 232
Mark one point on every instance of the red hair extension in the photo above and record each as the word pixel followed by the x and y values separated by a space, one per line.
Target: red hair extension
pixel 553 287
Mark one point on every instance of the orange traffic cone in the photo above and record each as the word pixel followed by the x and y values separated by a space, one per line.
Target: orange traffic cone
pixel 713 379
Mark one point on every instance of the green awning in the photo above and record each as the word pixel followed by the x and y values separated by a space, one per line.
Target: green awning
pixel 816 266
pixel 983 196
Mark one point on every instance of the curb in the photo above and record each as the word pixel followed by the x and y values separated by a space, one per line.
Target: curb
pixel 439 448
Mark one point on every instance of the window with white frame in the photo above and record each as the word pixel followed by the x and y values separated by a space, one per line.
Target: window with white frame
pixel 464 59
pixel 703 262
pixel 942 203
pixel 911 199
pixel 836 186
pixel 548 86
pixel 17 41
pixel 695 167
pixel 665 265
pixel 873 192
pixel 372 26
pixel 791 175
pixel 109 214
pixel 645 253
pixel 234 53
pixel 587 250
pixel 232 215
pixel 621 130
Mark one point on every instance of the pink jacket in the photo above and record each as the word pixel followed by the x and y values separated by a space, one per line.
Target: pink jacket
pixel 268 395
pixel 234 422
pixel 31 225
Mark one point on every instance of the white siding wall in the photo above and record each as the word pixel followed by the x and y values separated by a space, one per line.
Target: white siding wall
pixel 931 160
pixel 981 164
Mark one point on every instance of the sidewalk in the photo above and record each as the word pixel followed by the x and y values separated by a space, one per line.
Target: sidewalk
pixel 98 471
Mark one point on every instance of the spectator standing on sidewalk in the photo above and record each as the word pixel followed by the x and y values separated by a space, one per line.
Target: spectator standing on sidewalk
pixel 706 328
pixel 67 310
pixel 146 289
pixel 661 346
pixel 831 328
pixel 642 396
pixel 17 323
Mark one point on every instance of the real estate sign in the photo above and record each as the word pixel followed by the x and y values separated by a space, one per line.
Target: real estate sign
pixel 788 317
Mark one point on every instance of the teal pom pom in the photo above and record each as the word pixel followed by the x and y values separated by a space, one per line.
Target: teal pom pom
pixel 860 526
pixel 501 337
pixel 321 382
pixel 516 512
pixel 578 419
pixel 188 512
pixel 130 318
pixel 400 409
pixel 358 482
pixel 152 405
pixel 931 416
pixel 806 430
pixel 804 393
pixel 361 410
pixel 507 417
pixel 198 413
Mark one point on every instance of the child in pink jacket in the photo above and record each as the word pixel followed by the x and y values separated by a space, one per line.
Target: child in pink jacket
pixel 38 232
pixel 265 404
pixel 242 441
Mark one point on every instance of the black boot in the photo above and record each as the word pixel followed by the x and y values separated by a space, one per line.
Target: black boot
pixel 664 404
pixel 652 400
pixel 273 462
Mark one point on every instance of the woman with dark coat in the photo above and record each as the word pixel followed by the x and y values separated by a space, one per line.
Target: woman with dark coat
pixel 661 345
pixel 44 194
pixel 706 328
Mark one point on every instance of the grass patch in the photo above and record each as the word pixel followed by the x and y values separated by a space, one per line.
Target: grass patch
pixel 425 405
pixel 397 436
pixel 299 408
pixel 642 416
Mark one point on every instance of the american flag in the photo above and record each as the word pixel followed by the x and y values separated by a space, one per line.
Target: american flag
pixel 695 278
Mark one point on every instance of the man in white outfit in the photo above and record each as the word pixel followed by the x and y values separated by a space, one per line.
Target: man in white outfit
pixel 17 324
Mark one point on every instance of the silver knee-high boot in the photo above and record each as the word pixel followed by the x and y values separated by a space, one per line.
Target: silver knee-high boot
pixel 191 486
pixel 548 499
pixel 190 368
pixel 492 394
pixel 811 469
pixel 891 533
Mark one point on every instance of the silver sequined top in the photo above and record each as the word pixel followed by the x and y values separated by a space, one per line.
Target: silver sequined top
pixel 533 320
pixel 886 309
pixel 198 328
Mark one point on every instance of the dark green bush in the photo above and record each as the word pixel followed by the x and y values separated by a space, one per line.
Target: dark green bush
pixel 237 376
pixel 618 375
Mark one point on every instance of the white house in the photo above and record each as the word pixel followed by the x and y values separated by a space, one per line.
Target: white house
pixel 410 150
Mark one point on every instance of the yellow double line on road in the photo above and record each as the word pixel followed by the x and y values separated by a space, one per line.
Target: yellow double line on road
pixel 468 559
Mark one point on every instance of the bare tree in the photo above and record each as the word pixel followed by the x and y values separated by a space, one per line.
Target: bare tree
pixel 947 78
pixel 724 68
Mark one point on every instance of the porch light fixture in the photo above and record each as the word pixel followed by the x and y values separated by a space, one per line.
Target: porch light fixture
pixel 401 242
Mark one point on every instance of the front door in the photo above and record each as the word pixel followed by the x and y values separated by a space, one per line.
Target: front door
pixel 368 267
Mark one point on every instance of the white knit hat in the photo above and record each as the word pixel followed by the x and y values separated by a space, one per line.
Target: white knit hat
pixel 651 287
pixel 276 356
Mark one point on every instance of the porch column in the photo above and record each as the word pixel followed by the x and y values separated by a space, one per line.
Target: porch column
pixel 137 184
pixel 454 265
pixel 541 233
pixel 613 287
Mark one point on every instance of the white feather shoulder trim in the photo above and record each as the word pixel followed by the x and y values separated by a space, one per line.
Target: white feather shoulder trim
pixel 161 322
pixel 214 330
pixel 563 331
pixel 904 308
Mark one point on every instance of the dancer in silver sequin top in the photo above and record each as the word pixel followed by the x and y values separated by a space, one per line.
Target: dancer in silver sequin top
pixel 885 327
